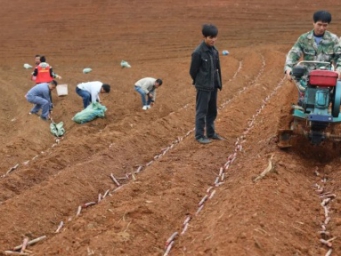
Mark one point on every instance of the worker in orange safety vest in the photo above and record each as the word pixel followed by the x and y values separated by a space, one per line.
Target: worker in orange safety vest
pixel 43 73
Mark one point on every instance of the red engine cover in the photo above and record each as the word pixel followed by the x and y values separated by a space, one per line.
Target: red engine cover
pixel 323 78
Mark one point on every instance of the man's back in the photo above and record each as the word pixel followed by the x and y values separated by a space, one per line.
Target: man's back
pixel 41 90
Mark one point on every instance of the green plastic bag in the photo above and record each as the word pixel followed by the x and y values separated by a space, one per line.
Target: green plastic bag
pixel 57 129
pixel 92 111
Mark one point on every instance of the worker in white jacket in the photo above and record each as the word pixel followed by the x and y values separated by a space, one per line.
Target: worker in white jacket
pixel 146 88
pixel 90 91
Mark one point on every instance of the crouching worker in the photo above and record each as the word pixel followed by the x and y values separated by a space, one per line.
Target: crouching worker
pixel 146 88
pixel 40 96
pixel 90 91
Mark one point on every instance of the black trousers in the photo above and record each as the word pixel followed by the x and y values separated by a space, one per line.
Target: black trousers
pixel 206 113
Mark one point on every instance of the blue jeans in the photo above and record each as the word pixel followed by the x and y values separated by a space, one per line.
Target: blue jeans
pixel 143 96
pixel 86 96
pixel 40 103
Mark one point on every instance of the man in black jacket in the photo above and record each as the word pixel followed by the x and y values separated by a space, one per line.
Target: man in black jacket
pixel 206 74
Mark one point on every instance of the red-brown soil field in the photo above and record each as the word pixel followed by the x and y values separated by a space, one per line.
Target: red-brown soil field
pixel 164 174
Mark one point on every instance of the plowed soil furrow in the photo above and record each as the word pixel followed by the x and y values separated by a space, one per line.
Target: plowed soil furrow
pixel 199 182
pixel 279 214
pixel 90 187
pixel 24 177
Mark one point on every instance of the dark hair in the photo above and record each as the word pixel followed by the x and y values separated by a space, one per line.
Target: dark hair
pixel 159 81
pixel 106 88
pixel 42 59
pixel 323 16
pixel 209 30
pixel 37 55
pixel 54 82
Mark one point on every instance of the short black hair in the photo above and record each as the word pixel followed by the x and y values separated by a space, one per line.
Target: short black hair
pixel 54 82
pixel 159 81
pixel 106 88
pixel 209 30
pixel 323 16
pixel 37 55
pixel 42 59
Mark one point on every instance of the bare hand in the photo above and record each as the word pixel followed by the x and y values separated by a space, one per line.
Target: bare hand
pixel 288 75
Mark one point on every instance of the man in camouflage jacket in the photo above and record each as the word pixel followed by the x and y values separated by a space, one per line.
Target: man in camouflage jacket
pixel 317 44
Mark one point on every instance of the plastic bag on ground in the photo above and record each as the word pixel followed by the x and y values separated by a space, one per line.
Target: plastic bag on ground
pixel 93 111
pixel 57 129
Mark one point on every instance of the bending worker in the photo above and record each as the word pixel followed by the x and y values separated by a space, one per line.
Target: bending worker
pixel 90 91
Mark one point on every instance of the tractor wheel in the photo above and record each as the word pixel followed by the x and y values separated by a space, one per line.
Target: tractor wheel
pixel 336 100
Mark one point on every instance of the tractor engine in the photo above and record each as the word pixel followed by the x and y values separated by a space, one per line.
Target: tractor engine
pixel 317 100
pixel 316 105
pixel 316 116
